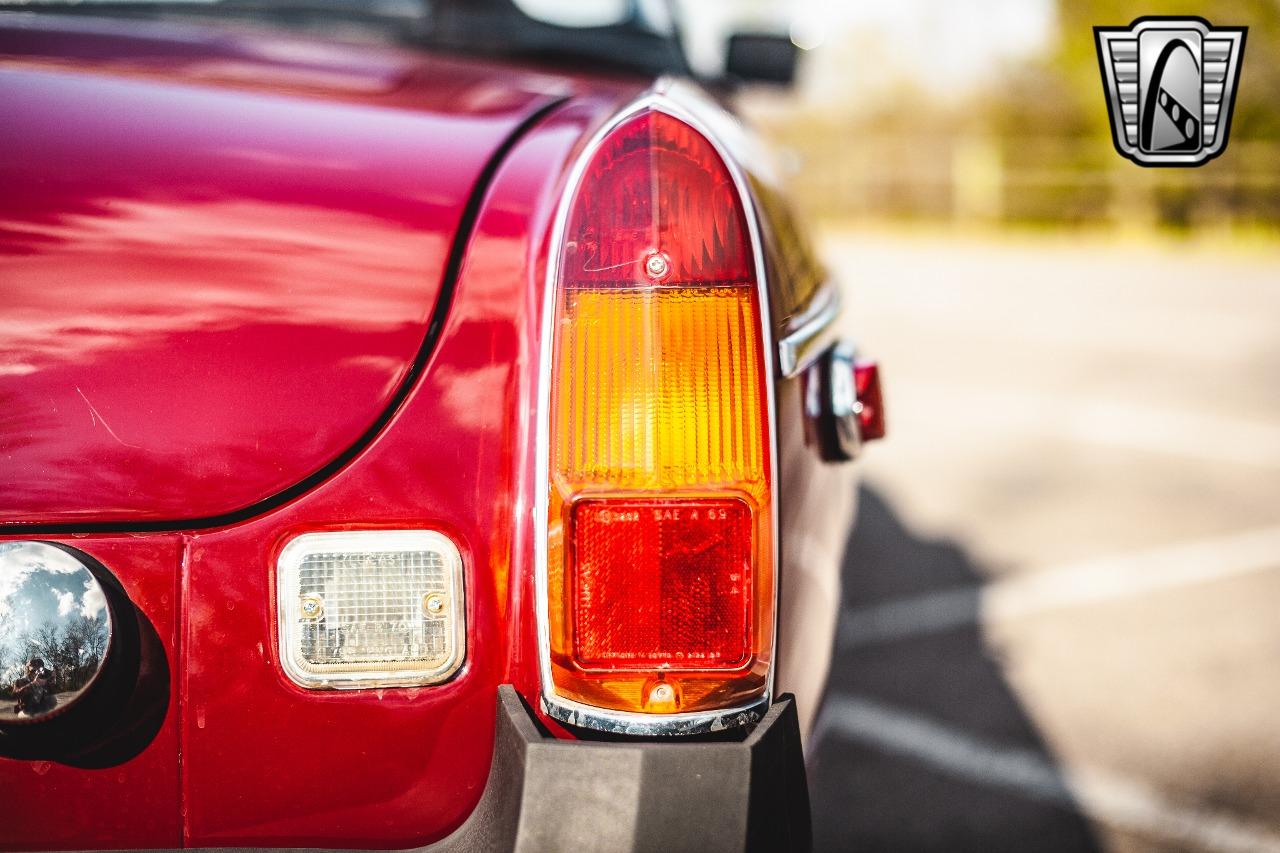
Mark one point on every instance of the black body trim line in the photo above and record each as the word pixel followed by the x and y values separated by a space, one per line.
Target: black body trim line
pixel 439 314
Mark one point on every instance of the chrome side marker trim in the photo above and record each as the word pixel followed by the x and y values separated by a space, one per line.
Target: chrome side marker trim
pixel 808 333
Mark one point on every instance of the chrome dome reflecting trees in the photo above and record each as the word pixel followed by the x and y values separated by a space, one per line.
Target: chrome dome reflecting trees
pixel 55 631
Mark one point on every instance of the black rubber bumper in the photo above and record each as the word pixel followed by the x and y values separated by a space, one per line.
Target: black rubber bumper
pixel 740 792
pixel 636 795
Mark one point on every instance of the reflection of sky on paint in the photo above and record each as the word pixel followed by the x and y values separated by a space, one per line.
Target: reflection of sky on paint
pixel 39 583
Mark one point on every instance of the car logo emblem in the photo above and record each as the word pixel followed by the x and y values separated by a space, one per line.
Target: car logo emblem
pixel 1170 85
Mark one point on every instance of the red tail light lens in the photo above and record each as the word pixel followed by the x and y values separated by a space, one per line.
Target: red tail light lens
pixel 661 583
pixel 656 189
pixel 660 576
pixel 866 380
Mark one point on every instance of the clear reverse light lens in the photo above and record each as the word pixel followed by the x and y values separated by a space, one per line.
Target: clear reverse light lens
pixel 373 608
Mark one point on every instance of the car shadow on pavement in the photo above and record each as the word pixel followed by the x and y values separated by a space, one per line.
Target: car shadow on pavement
pixel 921 744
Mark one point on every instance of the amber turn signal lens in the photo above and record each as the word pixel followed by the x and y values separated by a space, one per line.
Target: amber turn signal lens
pixel 660 577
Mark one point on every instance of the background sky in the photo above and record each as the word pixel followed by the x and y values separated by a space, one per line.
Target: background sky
pixel 859 51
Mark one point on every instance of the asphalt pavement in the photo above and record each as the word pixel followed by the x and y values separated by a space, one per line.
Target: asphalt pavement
pixel 1061 615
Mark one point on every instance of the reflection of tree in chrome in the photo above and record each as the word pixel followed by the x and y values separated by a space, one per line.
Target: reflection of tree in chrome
pixel 6 654
pixel 71 652
pixel 55 627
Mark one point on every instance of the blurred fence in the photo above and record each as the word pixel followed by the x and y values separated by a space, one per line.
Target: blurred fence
pixel 853 172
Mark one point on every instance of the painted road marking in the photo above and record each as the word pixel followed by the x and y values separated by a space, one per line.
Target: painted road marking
pixel 1102 579
pixel 1098 794
pixel 1196 433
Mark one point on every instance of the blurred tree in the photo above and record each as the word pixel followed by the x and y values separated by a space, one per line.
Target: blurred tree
pixel 1053 128
pixel 1257 116
pixel 1032 144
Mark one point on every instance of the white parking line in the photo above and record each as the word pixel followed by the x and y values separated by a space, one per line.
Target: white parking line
pixel 1098 794
pixel 1088 582
pixel 1190 433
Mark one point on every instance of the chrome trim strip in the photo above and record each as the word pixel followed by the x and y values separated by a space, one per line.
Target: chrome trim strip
pixel 621 723
pixel 811 327
pixel 682 102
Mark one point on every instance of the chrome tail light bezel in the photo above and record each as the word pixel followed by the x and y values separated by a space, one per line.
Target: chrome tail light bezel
pixel 685 103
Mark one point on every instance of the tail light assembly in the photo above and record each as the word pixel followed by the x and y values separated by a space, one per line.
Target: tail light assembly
pixel 657 568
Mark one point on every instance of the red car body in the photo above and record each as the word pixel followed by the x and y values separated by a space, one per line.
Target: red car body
pixel 254 286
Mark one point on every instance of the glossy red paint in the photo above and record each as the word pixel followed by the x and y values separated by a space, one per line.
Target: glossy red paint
pixel 135 804
pixel 264 762
pixel 395 767
pixel 219 255
pixel 244 756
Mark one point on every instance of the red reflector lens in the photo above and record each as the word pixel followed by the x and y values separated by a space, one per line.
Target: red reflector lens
pixel 661 582
pixel 866 379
